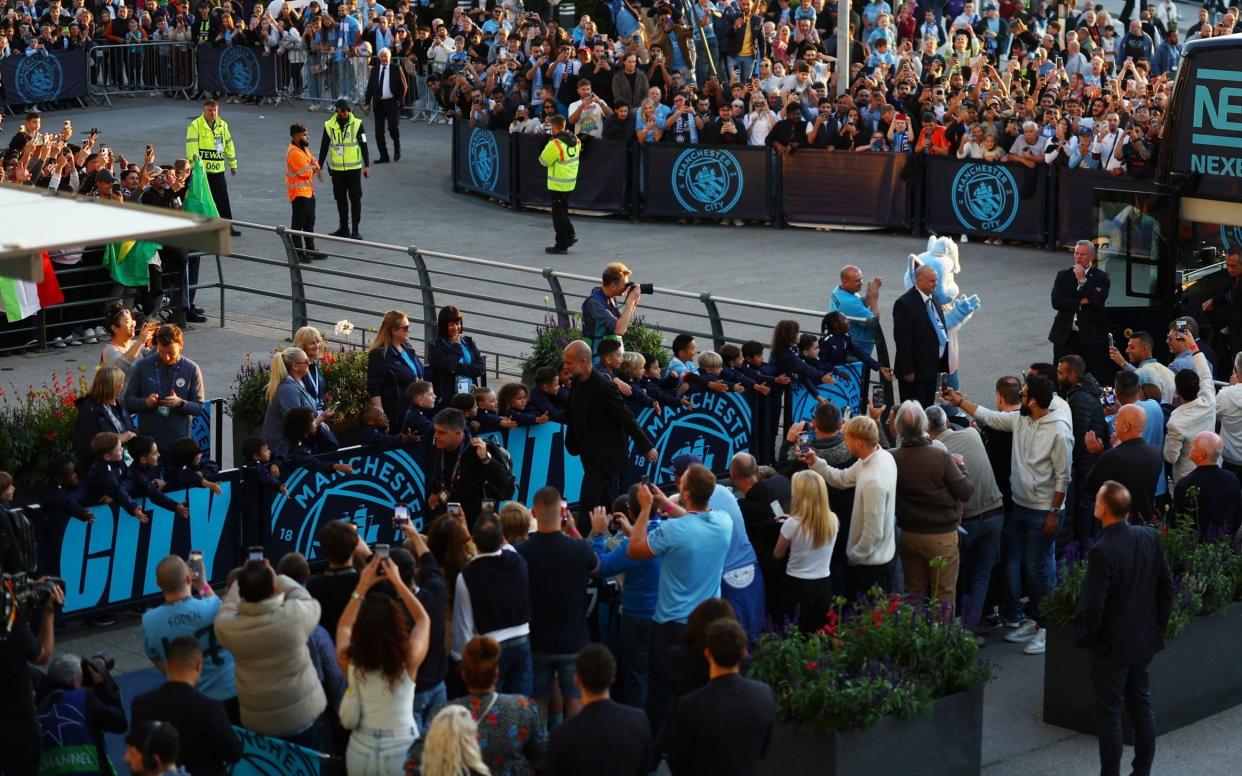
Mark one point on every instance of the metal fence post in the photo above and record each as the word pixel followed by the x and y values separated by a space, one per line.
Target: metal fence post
pixel 558 295
pixel 713 316
pixel 429 298
pixel 297 289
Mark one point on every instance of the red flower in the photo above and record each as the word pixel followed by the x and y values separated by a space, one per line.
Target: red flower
pixel 877 617
pixel 894 601
pixel 810 665
pixel 50 436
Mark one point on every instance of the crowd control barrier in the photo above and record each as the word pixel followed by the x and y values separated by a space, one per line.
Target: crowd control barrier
pixel 1047 204
pixel 155 66
pixel 44 77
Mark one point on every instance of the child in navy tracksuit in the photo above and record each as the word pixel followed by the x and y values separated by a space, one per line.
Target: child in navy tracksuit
pixel 188 469
pixel 418 418
pixel 711 366
pixel 836 345
pixel 548 397
pixel 105 479
pixel 487 412
pixel 298 424
pixel 735 370
pixel 666 390
pixel 63 496
pixel 259 467
pixel 142 479
pixel 632 373
pixel 785 358
pixel 512 405
pixel 375 431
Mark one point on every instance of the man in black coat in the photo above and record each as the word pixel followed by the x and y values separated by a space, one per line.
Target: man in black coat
pixel 386 90
pixel 1226 307
pixel 921 338
pixel 1082 394
pixel 1132 462
pixel 725 727
pixel 597 424
pixel 605 738
pixel 209 744
pixel 1122 613
pixel 1081 326
pixel 1215 506
pixel 465 470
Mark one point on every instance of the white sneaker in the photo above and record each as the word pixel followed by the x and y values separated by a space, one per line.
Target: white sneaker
pixel 1023 633
pixel 59 342
pixel 1038 644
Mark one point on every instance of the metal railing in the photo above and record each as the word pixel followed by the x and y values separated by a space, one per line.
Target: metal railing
pixel 151 68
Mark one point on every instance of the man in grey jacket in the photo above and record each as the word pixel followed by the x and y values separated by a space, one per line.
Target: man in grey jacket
pixel 265 622
pixel 164 390
pixel 1043 442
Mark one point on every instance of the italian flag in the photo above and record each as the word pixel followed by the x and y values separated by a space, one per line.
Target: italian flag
pixel 21 299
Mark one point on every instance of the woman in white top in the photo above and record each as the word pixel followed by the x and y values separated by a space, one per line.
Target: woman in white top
pixel 808 536
pixel 124 348
pixel 380 655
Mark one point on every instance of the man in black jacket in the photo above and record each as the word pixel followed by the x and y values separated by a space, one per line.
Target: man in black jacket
pixel 386 90
pixel 208 743
pixel 605 738
pixel 1226 307
pixel 597 425
pixel 1082 393
pixel 725 727
pixel 1081 326
pixel 465 470
pixel 1132 462
pixel 922 339
pixel 1122 613
pixel 1215 506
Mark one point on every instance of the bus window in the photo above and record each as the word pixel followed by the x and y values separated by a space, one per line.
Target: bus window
pixel 1129 243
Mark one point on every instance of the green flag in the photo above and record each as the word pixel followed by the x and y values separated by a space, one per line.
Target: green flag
pixel 128 262
pixel 199 199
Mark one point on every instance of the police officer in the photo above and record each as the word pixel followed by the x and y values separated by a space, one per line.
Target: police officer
pixel 560 156
pixel 300 166
pixel 209 139
pixel 344 146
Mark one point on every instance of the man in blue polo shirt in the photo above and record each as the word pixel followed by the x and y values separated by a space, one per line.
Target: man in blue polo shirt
pixel 601 318
pixel 860 309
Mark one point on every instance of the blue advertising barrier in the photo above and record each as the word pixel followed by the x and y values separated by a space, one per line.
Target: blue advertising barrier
pixel 43 77
pixel 845 393
pixel 988 199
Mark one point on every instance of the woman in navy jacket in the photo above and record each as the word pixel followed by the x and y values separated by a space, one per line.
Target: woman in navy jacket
pixel 455 364
pixel 99 410
pixel 392 364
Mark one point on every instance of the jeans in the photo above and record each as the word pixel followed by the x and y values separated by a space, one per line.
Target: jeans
pixel 743 588
pixel 703 63
pixel 516 673
pixel 559 667
pixel 634 647
pixel 745 67
pixel 659 678
pixel 1028 554
pixel 427 701
pixel 378 752
pixel 980 550
pixel 314 737
pixel 860 579
pixel 1112 684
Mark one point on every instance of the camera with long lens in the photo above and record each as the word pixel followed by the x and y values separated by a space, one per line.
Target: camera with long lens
pixel 21 594
pixel 646 288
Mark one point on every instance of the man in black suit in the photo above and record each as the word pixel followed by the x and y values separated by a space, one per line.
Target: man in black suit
pixel 209 745
pixel 922 339
pixel 605 738
pixel 1226 307
pixel 724 728
pixel 761 503
pixel 1124 607
pixel 597 423
pixel 1081 326
pixel 1132 462
pixel 1215 508
pixel 386 89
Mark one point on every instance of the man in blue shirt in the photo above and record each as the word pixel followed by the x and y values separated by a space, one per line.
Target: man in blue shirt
pixel 189 609
pixel 601 318
pixel 692 549
pixel 859 309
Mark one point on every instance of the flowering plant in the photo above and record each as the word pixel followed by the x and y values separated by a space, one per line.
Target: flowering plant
pixel 248 402
pixel 343 327
pixel 888 656
pixel 37 427
pixel 556 332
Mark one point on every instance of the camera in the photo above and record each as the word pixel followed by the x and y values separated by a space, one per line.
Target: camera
pixel 21 593
pixel 644 288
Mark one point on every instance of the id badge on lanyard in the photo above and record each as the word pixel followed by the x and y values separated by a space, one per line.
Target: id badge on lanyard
pixel 219 144
pixel 463 384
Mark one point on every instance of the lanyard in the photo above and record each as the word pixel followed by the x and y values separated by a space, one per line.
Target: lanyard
pixel 466 358
pixel 172 382
pixel 451 482
pixel 409 362
pixel 310 400
pixel 316 381
pixel 113 419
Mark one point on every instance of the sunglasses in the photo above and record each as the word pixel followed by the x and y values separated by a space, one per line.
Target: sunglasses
pixel 402 328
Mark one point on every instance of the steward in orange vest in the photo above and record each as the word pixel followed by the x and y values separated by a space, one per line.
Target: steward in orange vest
pixel 300 166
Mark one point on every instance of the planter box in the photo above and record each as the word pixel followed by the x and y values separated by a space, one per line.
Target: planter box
pixel 948 743
pixel 1191 679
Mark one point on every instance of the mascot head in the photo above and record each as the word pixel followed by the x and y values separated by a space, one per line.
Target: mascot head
pixel 941 254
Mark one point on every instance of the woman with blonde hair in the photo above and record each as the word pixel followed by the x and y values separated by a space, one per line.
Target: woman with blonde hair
pixel 311 341
pixel 808 536
pixel 285 392
pixel 451 746
pixel 101 409
pixel 516 522
pixel 392 364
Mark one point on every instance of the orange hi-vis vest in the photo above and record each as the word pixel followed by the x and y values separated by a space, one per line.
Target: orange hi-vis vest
pixel 299 172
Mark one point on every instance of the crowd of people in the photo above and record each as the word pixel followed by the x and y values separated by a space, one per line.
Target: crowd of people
pixel 473 646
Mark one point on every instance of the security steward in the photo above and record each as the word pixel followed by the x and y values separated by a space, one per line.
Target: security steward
pixel 344 146
pixel 209 139
pixel 300 166
pixel 560 156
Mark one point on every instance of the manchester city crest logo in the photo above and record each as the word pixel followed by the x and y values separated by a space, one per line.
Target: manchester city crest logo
pixel 239 70
pixel 716 429
pixel 38 78
pixel 707 180
pixel 484 159
pixel 985 197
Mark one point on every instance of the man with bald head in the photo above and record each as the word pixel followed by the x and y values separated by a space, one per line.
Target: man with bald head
pixel 921 338
pixel 189 609
pixel 1131 461
pixel 862 310
pixel 1215 508
pixel 597 425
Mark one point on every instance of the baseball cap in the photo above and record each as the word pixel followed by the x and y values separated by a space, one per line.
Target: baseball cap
pixel 683 462
pixel 105 176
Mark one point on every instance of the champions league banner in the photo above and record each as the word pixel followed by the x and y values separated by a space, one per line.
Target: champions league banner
pixel 988 199
pixel 46 77
pixel 481 161
pixel 236 70
pixel 725 182
pixel 846 394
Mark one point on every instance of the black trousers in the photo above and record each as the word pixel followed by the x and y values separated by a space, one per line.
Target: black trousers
pixel 303 220
pixel 347 191
pixel 218 183
pixel 1114 686
pixel 659 676
pixel 600 488
pixel 560 218
pixel 860 579
pixel 807 601
pixel 388 115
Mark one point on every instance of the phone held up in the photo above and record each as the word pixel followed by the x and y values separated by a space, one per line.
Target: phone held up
pixel 400 516
pixel 255 552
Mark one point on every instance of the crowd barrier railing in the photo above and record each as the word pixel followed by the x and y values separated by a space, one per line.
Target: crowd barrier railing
pixel 153 68
pixel 1047 205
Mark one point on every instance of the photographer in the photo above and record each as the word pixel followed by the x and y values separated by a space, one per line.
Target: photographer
pixel 19 730
pixel 84 702
pixel 601 318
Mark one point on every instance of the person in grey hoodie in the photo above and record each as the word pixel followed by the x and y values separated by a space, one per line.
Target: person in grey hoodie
pixel 1043 442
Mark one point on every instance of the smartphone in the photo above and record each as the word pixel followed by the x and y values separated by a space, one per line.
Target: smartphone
pixel 877 396
pixel 645 480
pixel 566 515
pixel 400 515
pixel 381 552
pixel 1111 342
pixel 804 441
pixel 255 553
pixel 454 508
pixel 1181 329
pixel 196 563
pixel 944 382
pixel 488 506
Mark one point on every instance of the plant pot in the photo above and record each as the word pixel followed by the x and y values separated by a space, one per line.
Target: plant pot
pixel 1190 678
pixel 241 429
pixel 949 742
